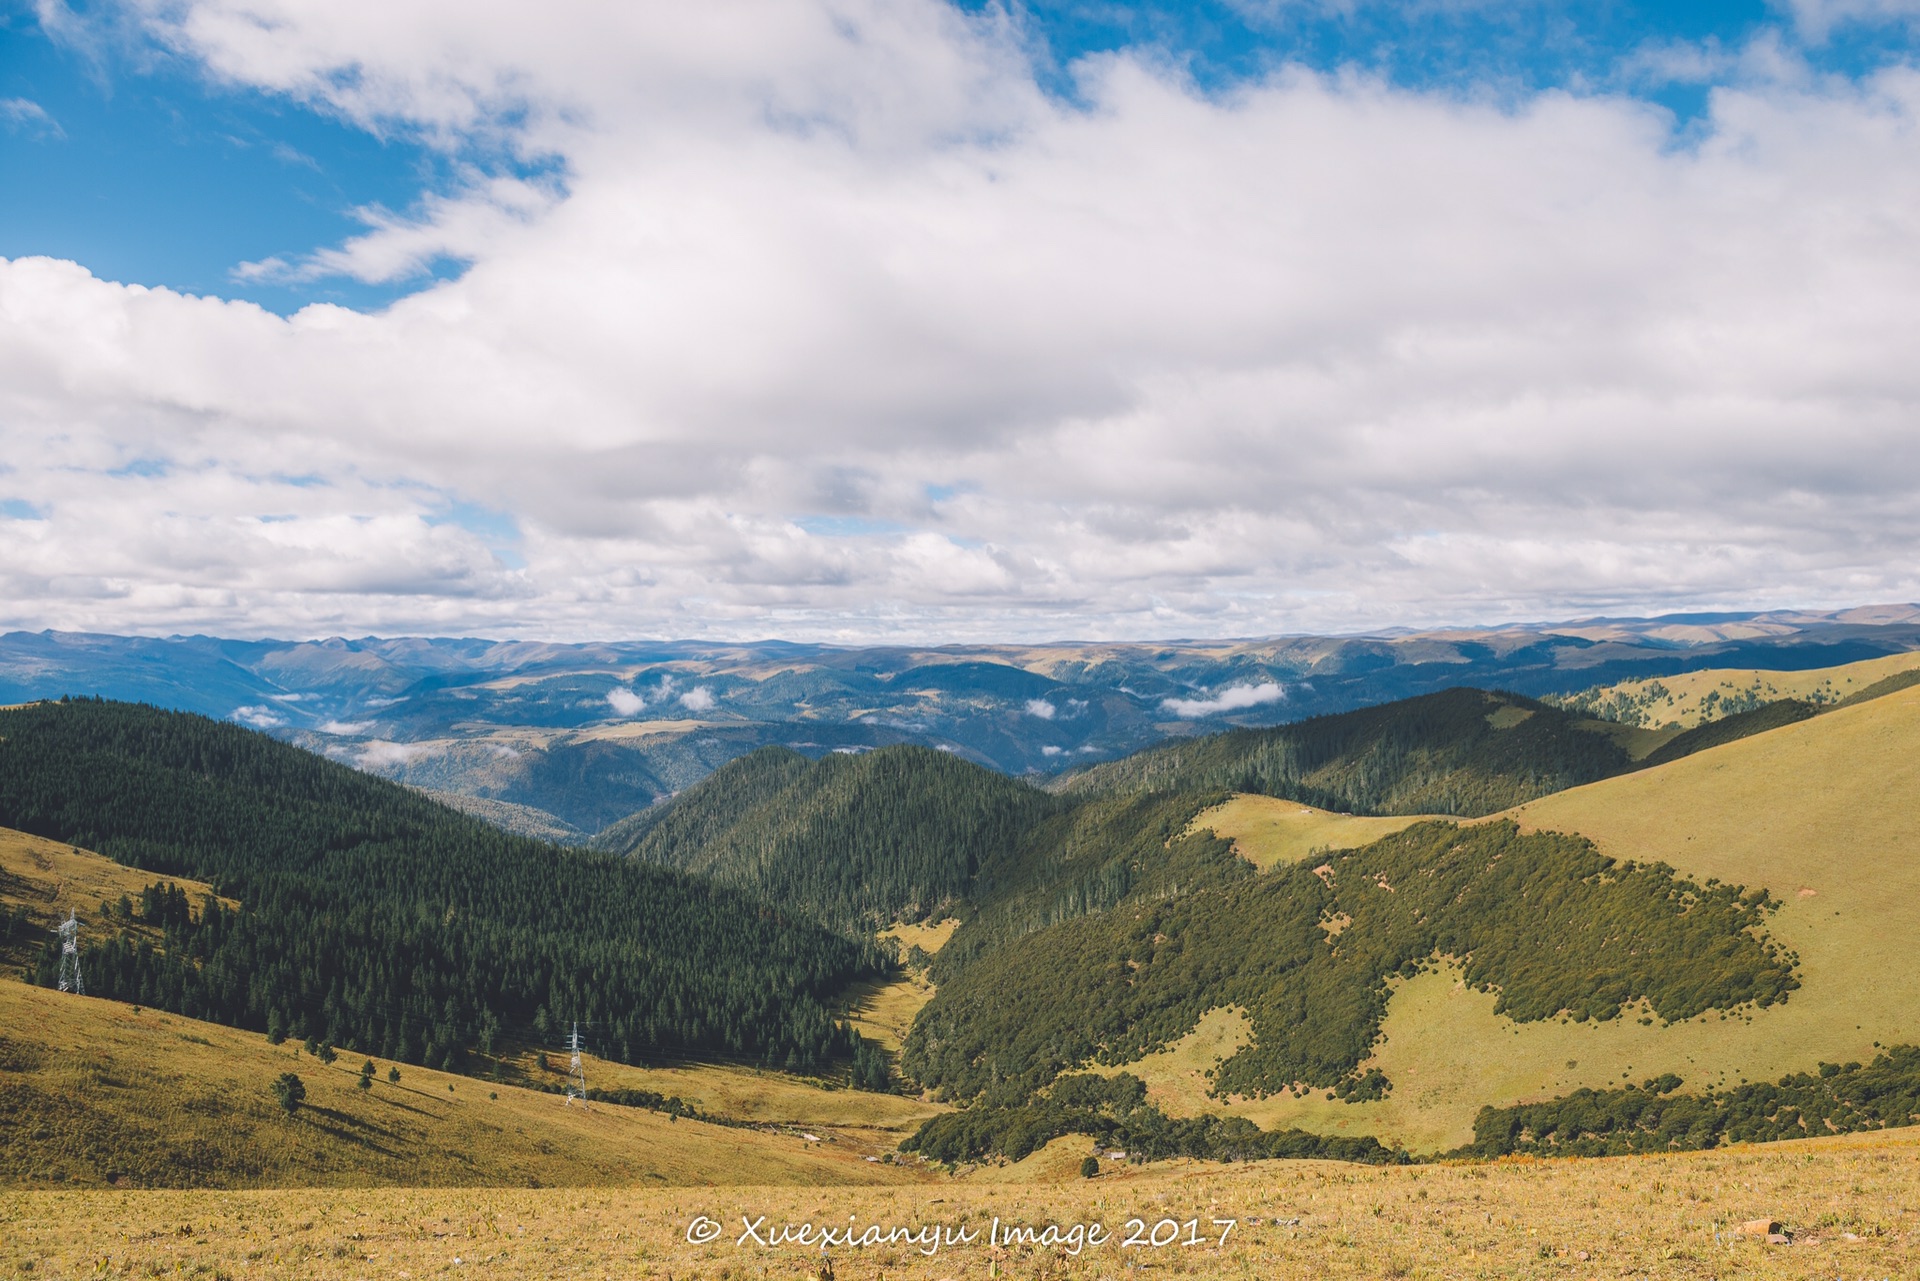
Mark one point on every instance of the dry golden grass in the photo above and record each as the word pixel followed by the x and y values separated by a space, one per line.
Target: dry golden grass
pixel 867 1124
pixel 52 879
pixel 1664 1216
pixel 1687 691
pixel 884 1012
pixel 93 1089
pixel 929 938
pixel 1267 832
pixel 1820 812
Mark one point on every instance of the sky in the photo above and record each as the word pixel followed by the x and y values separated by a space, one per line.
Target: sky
pixel 874 320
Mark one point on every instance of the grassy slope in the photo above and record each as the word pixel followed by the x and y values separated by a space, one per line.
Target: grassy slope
pixel 52 879
pixel 1685 692
pixel 1823 806
pixel 99 1089
pixel 862 1123
pixel 1636 1216
pixel 883 1012
pixel 1267 831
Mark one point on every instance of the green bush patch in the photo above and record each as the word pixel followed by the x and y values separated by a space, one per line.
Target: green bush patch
pixel 1652 1117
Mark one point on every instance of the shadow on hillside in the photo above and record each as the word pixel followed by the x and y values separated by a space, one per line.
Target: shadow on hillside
pixel 352 1129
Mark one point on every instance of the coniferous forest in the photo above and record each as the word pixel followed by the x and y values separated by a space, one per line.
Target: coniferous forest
pixel 380 921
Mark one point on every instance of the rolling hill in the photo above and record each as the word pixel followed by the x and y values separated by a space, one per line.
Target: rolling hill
pixel 1459 751
pixel 1689 699
pixel 376 919
pixel 858 841
pixel 1818 813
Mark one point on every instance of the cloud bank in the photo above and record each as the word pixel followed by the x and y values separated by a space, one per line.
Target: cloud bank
pixel 1234 698
pixel 829 323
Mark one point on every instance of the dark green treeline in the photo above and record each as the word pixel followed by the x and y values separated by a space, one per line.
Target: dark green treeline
pixel 381 921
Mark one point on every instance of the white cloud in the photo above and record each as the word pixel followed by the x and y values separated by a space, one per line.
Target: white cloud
pixel 1817 19
pixel 382 755
pixel 625 702
pixel 25 116
pixel 698 699
pixel 1050 750
pixel 1042 708
pixel 1235 698
pixel 258 717
pixel 1320 353
pixel 344 727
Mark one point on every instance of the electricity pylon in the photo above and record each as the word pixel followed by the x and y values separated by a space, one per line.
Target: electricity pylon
pixel 576 1075
pixel 70 956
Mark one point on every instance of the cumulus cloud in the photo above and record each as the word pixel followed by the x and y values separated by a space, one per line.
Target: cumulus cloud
pixel 382 755
pixel 625 702
pixel 1042 708
pixel 1234 698
pixel 344 727
pixel 841 329
pixel 698 699
pixel 258 717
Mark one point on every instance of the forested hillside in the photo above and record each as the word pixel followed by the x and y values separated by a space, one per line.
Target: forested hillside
pixel 1461 751
pixel 376 919
pixel 857 841
pixel 1543 919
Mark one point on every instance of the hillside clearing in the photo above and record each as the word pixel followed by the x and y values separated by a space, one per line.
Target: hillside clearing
pixel 883 1012
pixel 1267 831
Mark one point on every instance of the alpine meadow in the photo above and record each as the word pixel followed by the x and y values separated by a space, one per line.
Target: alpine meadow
pixel 866 640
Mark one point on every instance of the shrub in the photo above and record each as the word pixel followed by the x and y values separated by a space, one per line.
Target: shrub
pixel 290 1091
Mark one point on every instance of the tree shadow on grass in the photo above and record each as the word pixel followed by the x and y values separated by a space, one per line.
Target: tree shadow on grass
pixel 352 1129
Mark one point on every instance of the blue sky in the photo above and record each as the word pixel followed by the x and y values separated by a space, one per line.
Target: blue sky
pixel 135 162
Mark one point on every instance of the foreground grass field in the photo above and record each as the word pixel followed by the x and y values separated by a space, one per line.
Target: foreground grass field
pixel 1850 1204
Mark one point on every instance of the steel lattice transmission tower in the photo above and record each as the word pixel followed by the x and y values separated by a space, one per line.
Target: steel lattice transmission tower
pixel 70 956
pixel 576 1075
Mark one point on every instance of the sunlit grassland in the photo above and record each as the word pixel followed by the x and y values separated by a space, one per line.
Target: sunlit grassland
pixel 884 1011
pixel 51 879
pixel 1267 831
pixel 1686 698
pixel 857 1121
pixel 1665 1216
pixel 1822 813
pixel 95 1092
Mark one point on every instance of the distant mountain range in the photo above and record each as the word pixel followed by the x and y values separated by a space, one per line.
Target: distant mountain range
pixel 562 740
